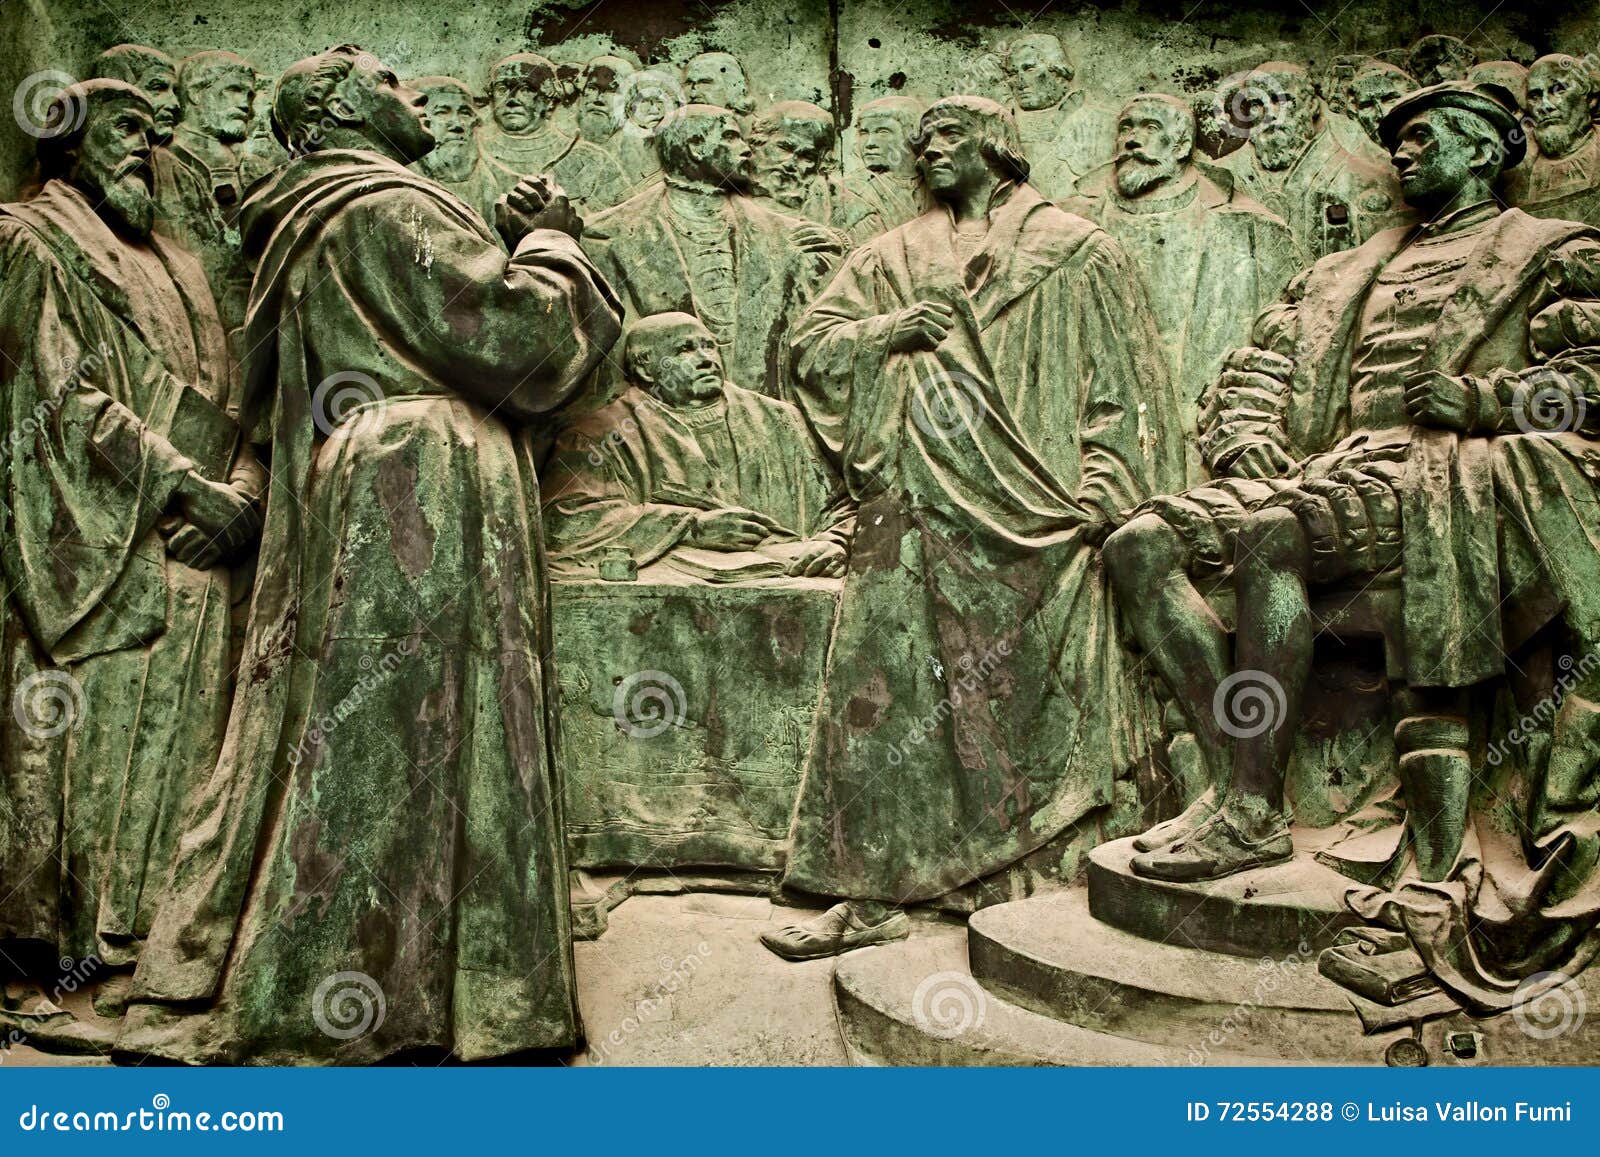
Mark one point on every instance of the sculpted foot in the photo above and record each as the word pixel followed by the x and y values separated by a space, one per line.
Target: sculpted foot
pixel 1179 826
pixel 1214 850
pixel 837 930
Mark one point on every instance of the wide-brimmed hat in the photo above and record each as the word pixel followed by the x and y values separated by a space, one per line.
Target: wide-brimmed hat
pixel 1493 102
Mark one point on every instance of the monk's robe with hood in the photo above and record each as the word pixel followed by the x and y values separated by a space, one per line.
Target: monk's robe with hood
pixel 634 475
pixel 115 383
pixel 977 701
pixel 387 803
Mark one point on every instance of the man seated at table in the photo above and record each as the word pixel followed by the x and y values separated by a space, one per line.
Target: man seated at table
pixel 725 483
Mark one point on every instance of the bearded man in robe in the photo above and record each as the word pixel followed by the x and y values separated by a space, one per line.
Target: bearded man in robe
pixel 121 499
pixel 1294 165
pixel 688 466
pixel 698 243
pixel 989 378
pixel 793 152
pixel 387 805
pixel 186 208
pixel 617 110
pixel 1211 260
pixel 456 161
pixel 1561 176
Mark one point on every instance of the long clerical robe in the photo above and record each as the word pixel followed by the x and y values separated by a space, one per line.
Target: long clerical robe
pixel 116 382
pixel 591 178
pixel 1493 524
pixel 1211 261
pixel 634 474
pixel 387 801
pixel 657 264
pixel 976 700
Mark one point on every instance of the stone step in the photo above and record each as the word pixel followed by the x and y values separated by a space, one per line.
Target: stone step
pixel 1293 907
pixel 916 1003
pixel 1051 955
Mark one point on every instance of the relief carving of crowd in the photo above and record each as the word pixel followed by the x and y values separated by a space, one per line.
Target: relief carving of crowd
pixel 316 385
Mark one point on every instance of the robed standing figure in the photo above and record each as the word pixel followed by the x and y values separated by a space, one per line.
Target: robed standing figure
pixel 383 833
pixel 992 383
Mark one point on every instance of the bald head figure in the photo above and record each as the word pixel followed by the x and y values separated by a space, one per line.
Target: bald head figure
pixel 1559 97
pixel 703 145
pixel 1155 141
pixel 151 70
pixel 674 357
pixel 1041 72
pixel 600 96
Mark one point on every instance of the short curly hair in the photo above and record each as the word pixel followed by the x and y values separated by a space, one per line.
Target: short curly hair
pixel 304 98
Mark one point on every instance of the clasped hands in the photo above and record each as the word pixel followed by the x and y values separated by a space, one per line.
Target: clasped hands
pixel 536 202
pixel 218 521
pixel 738 528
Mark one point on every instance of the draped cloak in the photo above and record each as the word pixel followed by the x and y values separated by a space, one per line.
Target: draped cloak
pixel 386 813
pixel 108 351
pixel 977 700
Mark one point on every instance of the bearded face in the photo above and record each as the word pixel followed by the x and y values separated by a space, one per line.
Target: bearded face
pixel 1558 101
pixel 1284 120
pixel 453 120
pixel 1374 93
pixel 112 165
pixel 221 109
pixel 1151 148
pixel 788 159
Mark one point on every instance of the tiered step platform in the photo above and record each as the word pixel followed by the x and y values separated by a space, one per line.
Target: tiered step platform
pixel 1130 971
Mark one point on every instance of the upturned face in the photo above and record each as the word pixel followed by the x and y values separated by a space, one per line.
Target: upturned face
pixel 1150 149
pixel 708 80
pixel 787 160
pixel 881 141
pixel 160 83
pixel 1371 95
pixel 951 160
pixel 1433 160
pixel 1557 98
pixel 222 108
pixel 686 364
pixel 1037 84
pixel 1284 120
pixel 391 112
pixel 518 99
pixel 113 164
